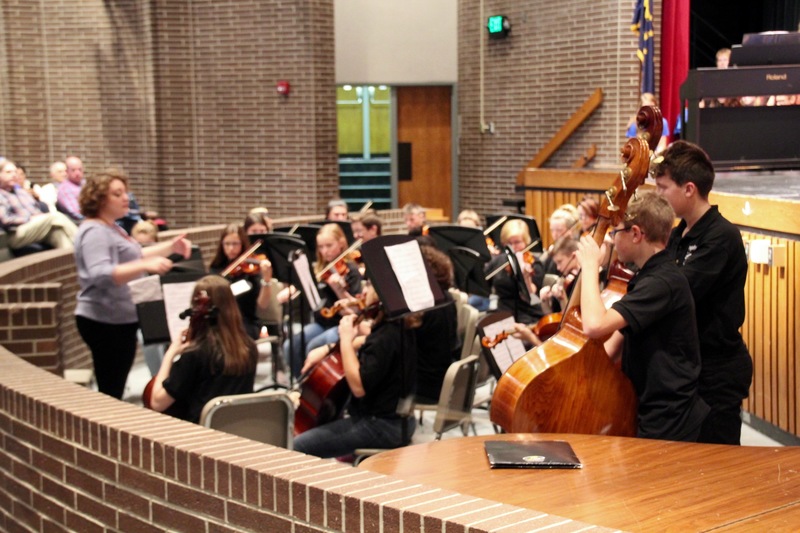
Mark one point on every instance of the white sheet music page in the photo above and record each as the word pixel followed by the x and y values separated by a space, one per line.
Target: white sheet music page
pixel 177 298
pixel 510 349
pixel 409 267
pixel 301 268
pixel 147 289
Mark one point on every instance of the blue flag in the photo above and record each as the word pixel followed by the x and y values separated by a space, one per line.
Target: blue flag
pixel 642 25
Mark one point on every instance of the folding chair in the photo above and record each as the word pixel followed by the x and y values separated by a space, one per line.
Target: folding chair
pixel 261 416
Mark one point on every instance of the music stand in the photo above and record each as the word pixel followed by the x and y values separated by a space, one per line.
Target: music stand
pixel 533 229
pixel 391 279
pixel 384 277
pixel 281 249
pixel 347 229
pixel 504 354
pixel 308 234
pixel 517 274
pixel 468 270
pixel 448 236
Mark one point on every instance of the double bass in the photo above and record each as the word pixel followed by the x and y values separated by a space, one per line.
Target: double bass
pixel 569 384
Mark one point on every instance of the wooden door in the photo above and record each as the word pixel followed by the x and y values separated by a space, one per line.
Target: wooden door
pixel 423 120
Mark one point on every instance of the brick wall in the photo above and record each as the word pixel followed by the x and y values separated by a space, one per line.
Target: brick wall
pixel 179 93
pixel 557 54
pixel 76 460
pixel 30 317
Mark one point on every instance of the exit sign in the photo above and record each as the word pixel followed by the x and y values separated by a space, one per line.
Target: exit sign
pixel 498 26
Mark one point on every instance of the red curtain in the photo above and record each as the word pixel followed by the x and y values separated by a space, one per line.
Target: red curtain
pixel 674 56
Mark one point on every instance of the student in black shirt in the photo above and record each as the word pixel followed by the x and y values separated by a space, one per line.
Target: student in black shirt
pixel 655 319
pixel 709 251
pixel 380 374
pixel 216 357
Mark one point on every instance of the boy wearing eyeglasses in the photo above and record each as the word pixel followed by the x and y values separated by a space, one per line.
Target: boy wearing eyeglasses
pixel 653 323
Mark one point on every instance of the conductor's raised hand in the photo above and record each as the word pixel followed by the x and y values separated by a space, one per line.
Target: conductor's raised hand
pixel 182 246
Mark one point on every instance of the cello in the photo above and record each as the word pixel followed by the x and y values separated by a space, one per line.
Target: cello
pixel 324 388
pixel 569 384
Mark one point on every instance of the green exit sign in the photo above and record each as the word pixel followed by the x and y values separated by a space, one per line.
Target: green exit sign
pixel 498 26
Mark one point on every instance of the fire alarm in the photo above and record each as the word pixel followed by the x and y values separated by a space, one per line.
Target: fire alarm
pixel 283 87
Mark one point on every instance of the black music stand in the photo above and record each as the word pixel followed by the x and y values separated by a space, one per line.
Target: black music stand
pixel 347 229
pixel 384 279
pixel 308 234
pixel 468 270
pixel 504 354
pixel 517 274
pixel 448 236
pixel 281 249
pixel 533 229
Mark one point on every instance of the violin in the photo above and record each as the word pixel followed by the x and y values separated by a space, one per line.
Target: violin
pixel 247 263
pixel 491 342
pixel 324 387
pixel 251 265
pixel 339 267
pixel 339 264
pixel 330 312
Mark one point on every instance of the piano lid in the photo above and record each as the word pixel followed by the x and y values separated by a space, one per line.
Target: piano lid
pixel 767 48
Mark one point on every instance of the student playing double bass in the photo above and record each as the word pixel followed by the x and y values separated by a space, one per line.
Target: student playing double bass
pixel 655 319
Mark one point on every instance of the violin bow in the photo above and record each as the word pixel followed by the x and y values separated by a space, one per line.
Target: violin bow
pixel 505 263
pixel 239 260
pixel 355 246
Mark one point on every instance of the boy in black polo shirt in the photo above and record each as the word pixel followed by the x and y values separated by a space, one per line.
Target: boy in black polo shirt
pixel 653 323
pixel 709 251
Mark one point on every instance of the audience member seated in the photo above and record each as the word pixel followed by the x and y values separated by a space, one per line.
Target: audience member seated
pixel 23 220
pixel 214 358
pixel 70 190
pixel 48 193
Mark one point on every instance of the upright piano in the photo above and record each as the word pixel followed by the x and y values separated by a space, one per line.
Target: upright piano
pixel 748 137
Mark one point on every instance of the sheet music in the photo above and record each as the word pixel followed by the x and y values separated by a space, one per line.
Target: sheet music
pixel 409 267
pixel 147 289
pixel 510 349
pixel 177 298
pixel 303 271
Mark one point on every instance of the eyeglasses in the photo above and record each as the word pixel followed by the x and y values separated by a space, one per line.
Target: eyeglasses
pixel 615 231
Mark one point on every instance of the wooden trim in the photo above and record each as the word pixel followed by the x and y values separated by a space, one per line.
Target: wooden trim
pixel 569 127
pixel 771 214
